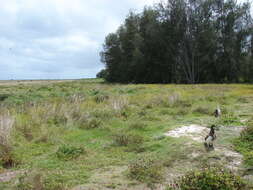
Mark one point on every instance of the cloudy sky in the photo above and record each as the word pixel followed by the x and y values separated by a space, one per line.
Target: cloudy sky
pixel 57 39
pixel 52 39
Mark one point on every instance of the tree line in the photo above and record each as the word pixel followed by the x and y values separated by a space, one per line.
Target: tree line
pixel 182 41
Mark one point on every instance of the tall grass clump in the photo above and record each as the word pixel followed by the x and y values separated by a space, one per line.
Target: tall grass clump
pixel 122 138
pixel 6 127
pixel 67 152
pixel 209 178
pixel 119 105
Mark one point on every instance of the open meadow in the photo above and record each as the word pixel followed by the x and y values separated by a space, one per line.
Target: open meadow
pixel 87 134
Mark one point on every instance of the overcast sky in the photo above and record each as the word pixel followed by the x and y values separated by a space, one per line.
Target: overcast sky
pixel 57 39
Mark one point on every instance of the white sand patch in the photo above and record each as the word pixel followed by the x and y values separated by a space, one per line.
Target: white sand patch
pixel 8 176
pixel 233 159
pixel 195 132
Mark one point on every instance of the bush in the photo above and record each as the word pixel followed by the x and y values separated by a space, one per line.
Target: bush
pixel 137 125
pixel 3 97
pixel 69 152
pixel 99 98
pixel 90 123
pixel 124 139
pixel 247 134
pixel 244 143
pixel 203 110
pixel 229 119
pixel 146 169
pixel 210 178
pixel 58 119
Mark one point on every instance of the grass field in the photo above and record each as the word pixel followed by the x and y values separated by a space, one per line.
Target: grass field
pixel 86 134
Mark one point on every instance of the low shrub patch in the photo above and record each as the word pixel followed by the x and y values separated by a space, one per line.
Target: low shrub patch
pixel 146 169
pixel 69 152
pixel 90 123
pixel 124 139
pixel 209 178
pixel 3 97
pixel 244 143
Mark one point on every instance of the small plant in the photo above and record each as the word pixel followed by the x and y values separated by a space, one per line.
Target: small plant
pixel 146 169
pixel 244 143
pixel 3 97
pixel 183 111
pixel 58 120
pixel 99 98
pixel 203 110
pixel 209 178
pixel 90 123
pixel 229 119
pixel 124 139
pixel 247 134
pixel 69 152
pixel 137 125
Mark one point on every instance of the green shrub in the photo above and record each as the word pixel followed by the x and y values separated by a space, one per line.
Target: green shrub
pixel 146 169
pixel 69 152
pixel 137 125
pixel 203 110
pixel 244 143
pixel 90 123
pixel 229 119
pixel 247 134
pixel 99 98
pixel 102 114
pixel 58 119
pixel 124 139
pixel 3 97
pixel 210 178
pixel 182 111
pixel 248 157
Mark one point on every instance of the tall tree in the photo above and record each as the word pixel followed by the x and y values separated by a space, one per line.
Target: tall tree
pixel 182 41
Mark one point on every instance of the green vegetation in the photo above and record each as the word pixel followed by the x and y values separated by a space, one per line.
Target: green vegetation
pixel 244 143
pixel 210 178
pixel 66 134
pixel 182 41
pixel 146 169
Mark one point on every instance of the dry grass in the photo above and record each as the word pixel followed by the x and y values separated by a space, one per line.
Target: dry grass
pixel 6 125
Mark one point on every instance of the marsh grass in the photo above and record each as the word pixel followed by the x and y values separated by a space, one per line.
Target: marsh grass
pixel 119 125
pixel 244 143
pixel 7 159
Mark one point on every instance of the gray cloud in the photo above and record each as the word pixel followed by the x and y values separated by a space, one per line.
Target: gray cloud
pixel 42 39
pixel 49 39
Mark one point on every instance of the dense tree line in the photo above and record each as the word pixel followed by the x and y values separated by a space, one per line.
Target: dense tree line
pixel 182 41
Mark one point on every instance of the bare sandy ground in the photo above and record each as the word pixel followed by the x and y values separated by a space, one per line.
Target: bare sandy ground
pixel 197 133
